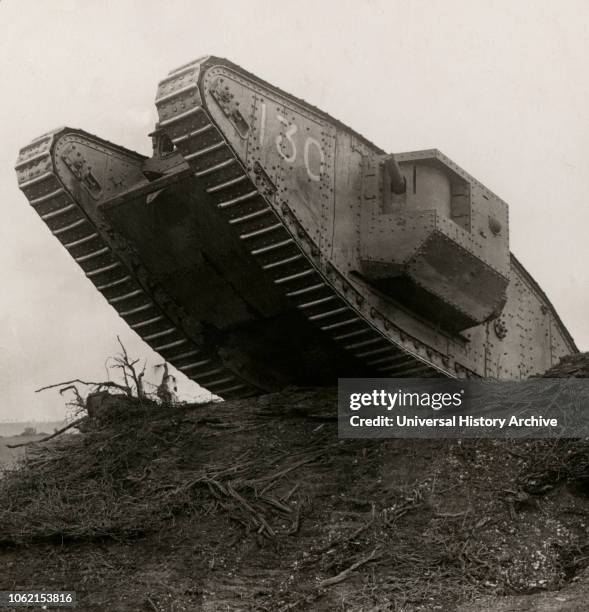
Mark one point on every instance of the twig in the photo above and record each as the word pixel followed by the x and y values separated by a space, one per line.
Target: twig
pixel 261 520
pixel 108 383
pixel 272 478
pixel 290 493
pixel 276 504
pixel 343 575
pixel 451 514
pixel 343 540
pixel 53 435
pixel 128 368
pixel 79 399
pixel 153 606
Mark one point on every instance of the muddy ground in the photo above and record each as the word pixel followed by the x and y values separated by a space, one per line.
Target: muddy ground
pixel 256 505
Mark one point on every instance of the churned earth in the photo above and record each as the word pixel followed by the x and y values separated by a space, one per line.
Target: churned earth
pixel 256 505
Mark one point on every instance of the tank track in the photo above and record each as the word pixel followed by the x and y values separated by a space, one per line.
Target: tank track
pixel 150 316
pixel 338 306
pixel 280 246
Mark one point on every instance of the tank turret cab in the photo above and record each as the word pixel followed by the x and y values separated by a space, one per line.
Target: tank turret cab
pixel 441 247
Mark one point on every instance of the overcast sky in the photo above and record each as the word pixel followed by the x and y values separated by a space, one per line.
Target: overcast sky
pixel 501 87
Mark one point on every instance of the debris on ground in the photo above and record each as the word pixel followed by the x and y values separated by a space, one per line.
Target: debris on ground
pixel 571 366
pixel 255 504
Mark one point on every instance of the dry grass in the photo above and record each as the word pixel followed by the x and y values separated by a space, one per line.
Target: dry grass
pixel 131 471
pixel 299 519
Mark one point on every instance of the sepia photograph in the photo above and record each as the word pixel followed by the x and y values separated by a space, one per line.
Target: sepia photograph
pixel 295 305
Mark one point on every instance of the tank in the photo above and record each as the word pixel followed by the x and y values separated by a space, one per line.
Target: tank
pixel 266 244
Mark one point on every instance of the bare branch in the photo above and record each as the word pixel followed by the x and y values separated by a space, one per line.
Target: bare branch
pixel 121 362
pixel 100 385
pixel 79 399
pixel 128 368
pixel 123 348
pixel 346 573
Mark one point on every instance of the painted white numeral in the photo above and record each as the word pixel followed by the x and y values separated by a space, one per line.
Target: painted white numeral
pixel 308 143
pixel 287 142
pixel 291 130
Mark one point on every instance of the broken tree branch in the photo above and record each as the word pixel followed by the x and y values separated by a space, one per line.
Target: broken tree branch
pixel 109 384
pixel 345 574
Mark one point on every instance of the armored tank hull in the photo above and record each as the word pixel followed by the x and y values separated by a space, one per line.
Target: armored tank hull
pixel 265 244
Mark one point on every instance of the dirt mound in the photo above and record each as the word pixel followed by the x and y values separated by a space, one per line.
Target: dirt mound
pixel 572 598
pixel 256 505
pixel 572 366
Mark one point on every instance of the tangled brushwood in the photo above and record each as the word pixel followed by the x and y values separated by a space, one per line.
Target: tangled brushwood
pixel 261 495
pixel 136 464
